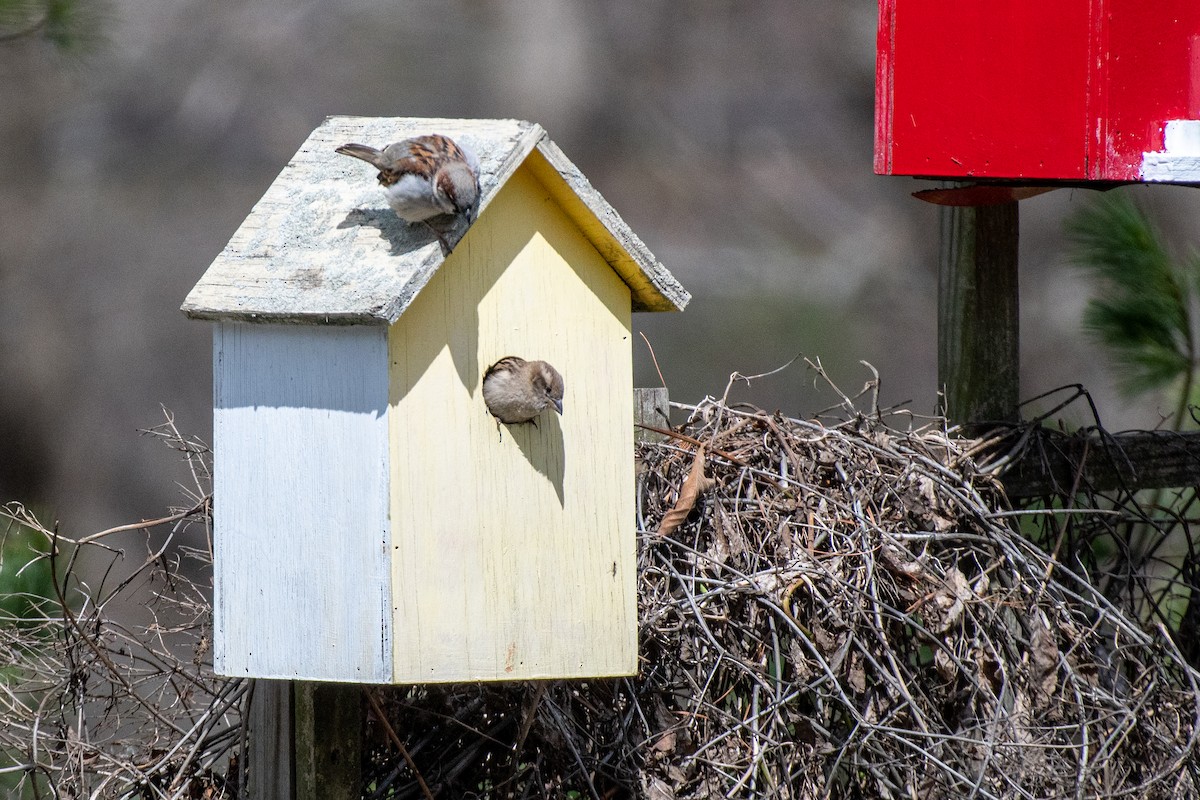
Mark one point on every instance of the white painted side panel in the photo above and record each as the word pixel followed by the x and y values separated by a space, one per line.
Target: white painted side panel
pixel 300 433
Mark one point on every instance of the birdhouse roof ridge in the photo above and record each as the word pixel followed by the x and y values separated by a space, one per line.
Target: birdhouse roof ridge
pixel 321 245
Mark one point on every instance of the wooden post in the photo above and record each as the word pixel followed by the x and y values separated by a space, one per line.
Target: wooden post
pixel 305 741
pixel 328 741
pixel 1105 462
pixel 651 407
pixel 978 356
pixel 269 762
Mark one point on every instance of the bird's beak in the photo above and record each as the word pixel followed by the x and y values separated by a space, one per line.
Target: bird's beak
pixel 557 406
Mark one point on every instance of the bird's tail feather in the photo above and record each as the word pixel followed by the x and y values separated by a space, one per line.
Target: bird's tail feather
pixel 365 152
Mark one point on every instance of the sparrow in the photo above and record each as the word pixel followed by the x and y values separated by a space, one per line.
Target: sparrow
pixel 516 390
pixel 424 177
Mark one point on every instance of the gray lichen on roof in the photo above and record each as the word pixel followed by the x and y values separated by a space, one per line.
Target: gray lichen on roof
pixel 323 246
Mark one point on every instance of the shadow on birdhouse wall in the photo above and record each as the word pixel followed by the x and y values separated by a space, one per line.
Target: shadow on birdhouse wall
pixel 542 445
pixel 325 377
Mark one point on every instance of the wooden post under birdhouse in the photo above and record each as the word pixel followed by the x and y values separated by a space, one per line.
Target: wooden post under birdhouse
pixel 978 313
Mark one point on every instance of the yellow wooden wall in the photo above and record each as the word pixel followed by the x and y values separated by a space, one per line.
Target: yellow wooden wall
pixel 514 550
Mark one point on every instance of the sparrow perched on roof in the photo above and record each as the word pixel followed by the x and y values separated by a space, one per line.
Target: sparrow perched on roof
pixel 424 177
pixel 516 390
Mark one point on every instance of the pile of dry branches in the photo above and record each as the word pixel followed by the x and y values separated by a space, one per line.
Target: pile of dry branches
pixel 840 609
pixel 831 608
pixel 104 686
pixel 852 612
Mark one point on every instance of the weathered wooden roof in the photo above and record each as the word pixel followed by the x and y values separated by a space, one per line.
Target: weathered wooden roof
pixel 322 244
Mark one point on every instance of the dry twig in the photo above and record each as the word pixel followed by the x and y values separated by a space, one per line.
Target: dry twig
pixel 851 612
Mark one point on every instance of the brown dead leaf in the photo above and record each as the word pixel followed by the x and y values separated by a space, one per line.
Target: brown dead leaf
pixel 943 662
pixel 856 675
pixel 665 743
pixel 951 599
pixel 900 562
pixel 657 789
pixel 719 551
pixel 1043 660
pixel 933 506
pixel 802 669
pixel 826 642
pixel 689 493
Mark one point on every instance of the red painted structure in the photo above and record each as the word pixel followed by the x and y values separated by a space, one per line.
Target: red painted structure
pixel 1035 90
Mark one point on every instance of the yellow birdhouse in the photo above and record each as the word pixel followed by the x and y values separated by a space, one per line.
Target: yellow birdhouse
pixel 373 523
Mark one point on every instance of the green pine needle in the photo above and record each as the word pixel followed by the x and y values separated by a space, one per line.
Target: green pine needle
pixel 1142 311
pixel 71 27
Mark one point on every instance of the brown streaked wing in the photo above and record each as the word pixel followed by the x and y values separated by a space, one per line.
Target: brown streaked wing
pixel 420 155
pixel 506 364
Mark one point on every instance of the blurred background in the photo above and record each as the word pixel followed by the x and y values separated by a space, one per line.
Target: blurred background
pixel 734 137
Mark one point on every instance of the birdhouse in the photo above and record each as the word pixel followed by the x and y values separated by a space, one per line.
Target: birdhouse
pixel 372 521
pixel 1096 90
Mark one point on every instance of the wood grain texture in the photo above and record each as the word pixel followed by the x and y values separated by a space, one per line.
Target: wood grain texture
pixel 302 583
pixel 329 723
pixel 651 407
pixel 1056 463
pixel 269 763
pixel 514 547
pixel 978 319
pixel 322 246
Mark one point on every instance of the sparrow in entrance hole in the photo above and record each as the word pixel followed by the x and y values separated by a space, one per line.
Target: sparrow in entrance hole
pixel 516 390
pixel 424 177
